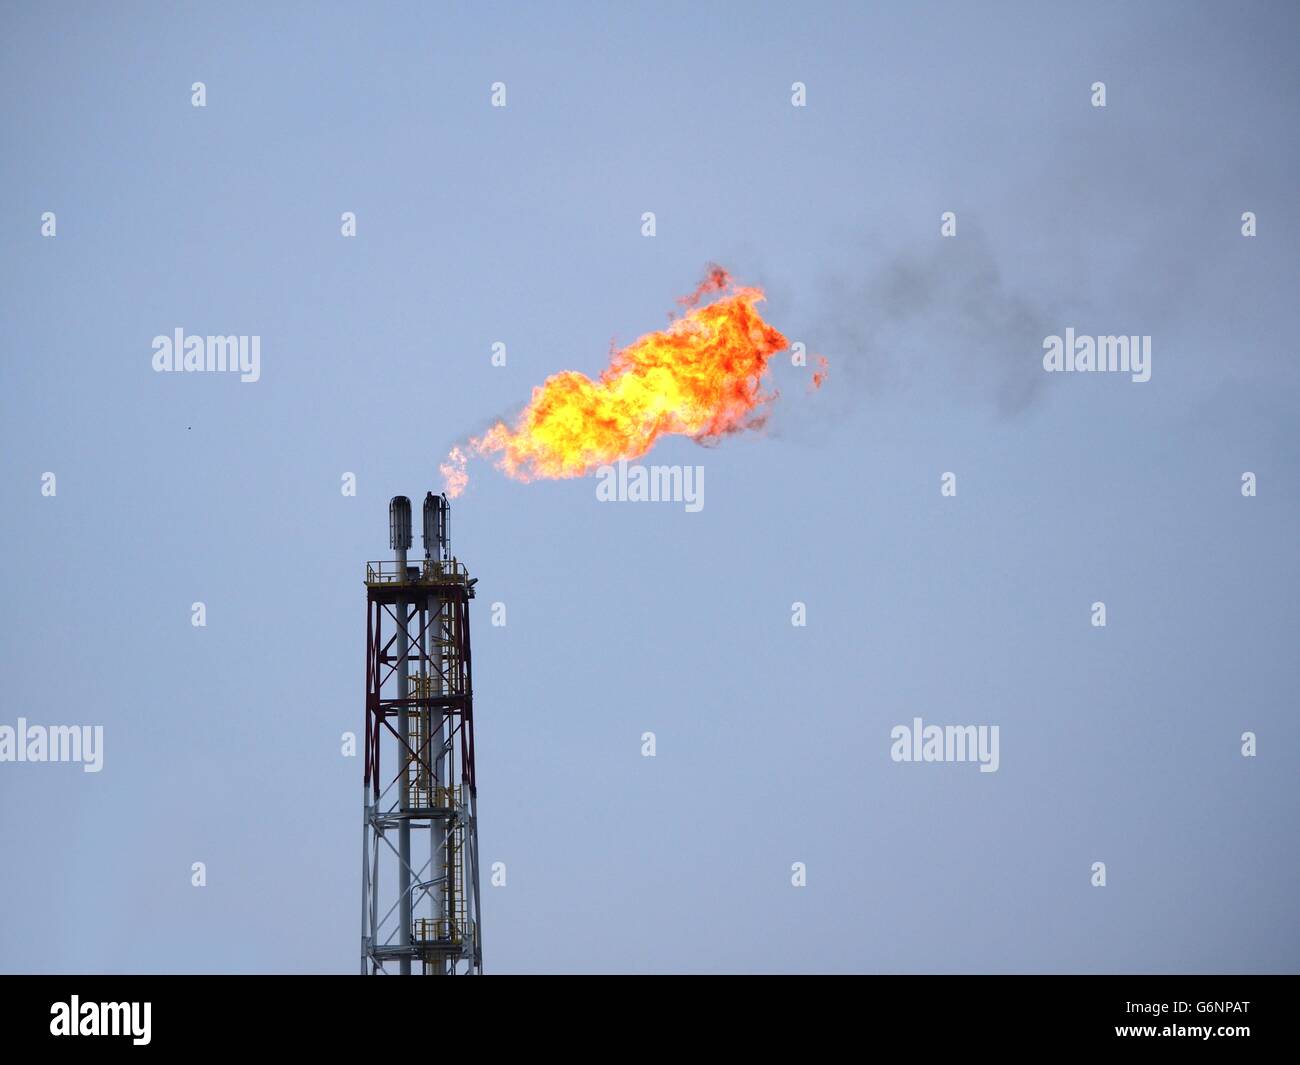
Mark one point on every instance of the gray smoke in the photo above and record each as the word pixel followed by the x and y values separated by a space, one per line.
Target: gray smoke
pixel 938 321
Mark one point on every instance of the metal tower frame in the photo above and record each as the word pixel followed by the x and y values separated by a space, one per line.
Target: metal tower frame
pixel 419 912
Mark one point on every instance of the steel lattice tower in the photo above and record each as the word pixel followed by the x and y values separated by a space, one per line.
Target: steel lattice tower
pixel 419 859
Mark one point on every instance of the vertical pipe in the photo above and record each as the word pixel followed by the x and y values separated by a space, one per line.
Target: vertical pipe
pixel 427 753
pixel 435 606
pixel 447 651
pixel 399 524
pixel 374 889
pixel 365 873
pixel 438 728
pixel 404 730
pixel 429 517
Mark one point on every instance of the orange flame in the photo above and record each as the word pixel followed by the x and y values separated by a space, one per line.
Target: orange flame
pixel 819 374
pixel 700 377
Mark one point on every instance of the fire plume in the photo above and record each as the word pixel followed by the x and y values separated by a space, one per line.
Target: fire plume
pixel 701 378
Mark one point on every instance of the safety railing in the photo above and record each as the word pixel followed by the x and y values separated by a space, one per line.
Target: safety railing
pixel 442 930
pixel 420 796
pixel 418 571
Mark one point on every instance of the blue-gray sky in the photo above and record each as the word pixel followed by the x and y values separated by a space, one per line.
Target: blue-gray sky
pixel 523 225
